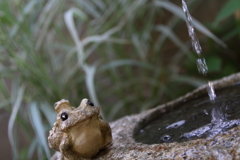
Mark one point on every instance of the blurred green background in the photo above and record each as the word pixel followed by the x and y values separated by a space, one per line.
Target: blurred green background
pixel 126 56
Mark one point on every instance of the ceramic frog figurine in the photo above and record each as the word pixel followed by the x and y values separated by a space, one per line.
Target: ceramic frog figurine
pixel 79 133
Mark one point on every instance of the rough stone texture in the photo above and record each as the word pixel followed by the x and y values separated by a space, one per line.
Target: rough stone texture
pixel 223 146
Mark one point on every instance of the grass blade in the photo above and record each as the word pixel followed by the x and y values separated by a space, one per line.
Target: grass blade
pixel 12 119
pixel 38 127
pixel 104 36
pixel 168 32
pixel 32 148
pixel 229 8
pixel 89 79
pixel 126 62
pixel 68 17
pixel 49 113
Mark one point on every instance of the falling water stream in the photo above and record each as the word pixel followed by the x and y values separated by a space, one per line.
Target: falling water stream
pixel 217 115
pixel 200 117
pixel 201 62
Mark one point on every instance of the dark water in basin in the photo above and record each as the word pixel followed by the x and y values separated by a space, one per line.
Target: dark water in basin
pixel 191 115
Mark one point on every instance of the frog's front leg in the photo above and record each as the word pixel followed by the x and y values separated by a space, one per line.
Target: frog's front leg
pixel 66 148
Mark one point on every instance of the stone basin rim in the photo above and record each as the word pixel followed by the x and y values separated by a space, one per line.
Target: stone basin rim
pixel 221 146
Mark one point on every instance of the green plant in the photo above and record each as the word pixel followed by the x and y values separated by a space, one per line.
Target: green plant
pixel 109 51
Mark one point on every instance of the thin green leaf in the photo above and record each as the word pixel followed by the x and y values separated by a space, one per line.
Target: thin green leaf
pixel 27 9
pixel 89 79
pixel 169 33
pixel 188 80
pixel 32 148
pixel 5 103
pixel 68 17
pixel 231 33
pixel 38 126
pixel 100 4
pixel 3 89
pixel 44 13
pixel 49 113
pixel 228 9
pixel 15 109
pixel 49 18
pixel 140 51
pixel 129 62
pixel 104 36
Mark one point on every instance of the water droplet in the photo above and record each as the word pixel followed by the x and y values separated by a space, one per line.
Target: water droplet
pixel 166 138
pixel 205 112
pixel 202 66
pixel 141 130
pixel 211 92
pixel 226 107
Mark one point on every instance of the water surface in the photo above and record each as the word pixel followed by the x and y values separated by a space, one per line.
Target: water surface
pixel 195 118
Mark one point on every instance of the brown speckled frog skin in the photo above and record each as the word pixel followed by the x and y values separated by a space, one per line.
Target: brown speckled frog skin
pixel 80 132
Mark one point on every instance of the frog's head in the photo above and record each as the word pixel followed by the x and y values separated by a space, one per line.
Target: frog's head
pixel 69 116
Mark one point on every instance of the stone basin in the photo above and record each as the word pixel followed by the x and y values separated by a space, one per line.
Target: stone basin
pixel 224 146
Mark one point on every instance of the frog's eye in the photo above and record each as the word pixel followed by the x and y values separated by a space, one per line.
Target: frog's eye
pixel 64 116
pixel 90 103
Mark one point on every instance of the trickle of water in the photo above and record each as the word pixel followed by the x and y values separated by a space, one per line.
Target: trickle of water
pixel 211 92
pixel 219 120
pixel 202 66
pixel 201 62
pixel 217 115
pixel 195 43
pixel 204 111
